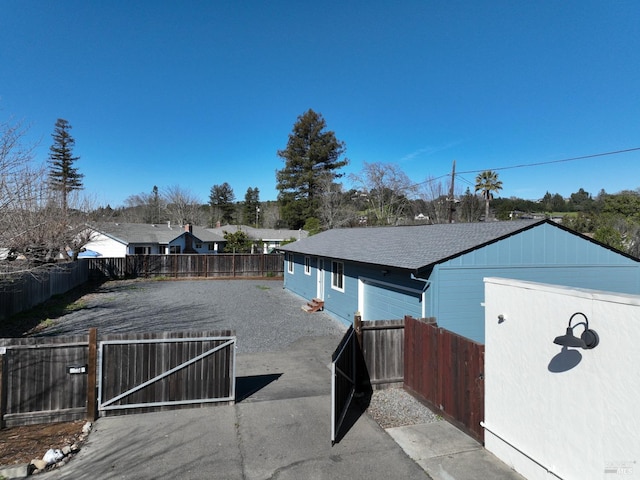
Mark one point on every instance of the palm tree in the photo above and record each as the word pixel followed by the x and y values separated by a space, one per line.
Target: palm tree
pixel 487 182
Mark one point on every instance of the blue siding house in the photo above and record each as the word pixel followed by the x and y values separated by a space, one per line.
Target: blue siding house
pixel 437 270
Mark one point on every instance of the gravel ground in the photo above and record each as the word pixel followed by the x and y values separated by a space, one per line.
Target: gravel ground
pixel 394 407
pixel 265 316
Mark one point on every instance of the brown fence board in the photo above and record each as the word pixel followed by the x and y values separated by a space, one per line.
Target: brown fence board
pixel 27 290
pixel 446 371
pixel 38 387
pixel 221 265
pixel 35 386
pixel 182 385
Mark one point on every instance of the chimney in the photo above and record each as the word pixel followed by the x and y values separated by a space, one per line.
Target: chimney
pixel 188 228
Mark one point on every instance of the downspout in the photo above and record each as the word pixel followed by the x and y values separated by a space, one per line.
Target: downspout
pixel 427 284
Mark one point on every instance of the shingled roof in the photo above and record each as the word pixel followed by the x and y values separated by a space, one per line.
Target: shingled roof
pixel 411 248
pixel 146 233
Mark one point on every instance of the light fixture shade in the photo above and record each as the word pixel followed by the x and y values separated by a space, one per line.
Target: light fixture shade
pixel 588 340
pixel 569 340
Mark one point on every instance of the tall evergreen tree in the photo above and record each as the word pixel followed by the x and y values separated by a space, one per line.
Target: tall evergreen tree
pixel 312 152
pixel 221 200
pixel 63 176
pixel 252 207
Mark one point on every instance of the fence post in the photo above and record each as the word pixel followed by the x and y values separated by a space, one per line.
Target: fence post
pixel 357 326
pixel 359 360
pixel 92 384
pixel 3 388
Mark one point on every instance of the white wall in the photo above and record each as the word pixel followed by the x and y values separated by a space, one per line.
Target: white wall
pixel 576 423
pixel 106 246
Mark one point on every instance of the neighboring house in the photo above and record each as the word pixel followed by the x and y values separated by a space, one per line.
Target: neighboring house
pixel 121 239
pixel 438 270
pixel 271 239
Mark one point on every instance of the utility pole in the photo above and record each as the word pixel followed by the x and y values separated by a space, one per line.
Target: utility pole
pixel 452 204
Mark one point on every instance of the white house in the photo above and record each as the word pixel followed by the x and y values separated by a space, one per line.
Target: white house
pixel 121 239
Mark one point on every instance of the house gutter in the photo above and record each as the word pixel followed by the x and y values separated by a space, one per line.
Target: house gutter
pixel 426 282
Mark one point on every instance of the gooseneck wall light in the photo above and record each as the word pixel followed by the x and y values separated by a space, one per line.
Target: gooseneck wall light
pixel 588 340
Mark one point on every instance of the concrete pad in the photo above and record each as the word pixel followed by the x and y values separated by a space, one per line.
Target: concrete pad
pixel 469 466
pixel 290 439
pixel 432 440
pixel 446 453
pixel 296 373
pixel 187 444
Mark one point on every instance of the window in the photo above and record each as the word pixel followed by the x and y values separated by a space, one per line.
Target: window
pixel 307 266
pixel 198 246
pixel 337 276
pixel 142 250
pixel 174 249
pixel 290 263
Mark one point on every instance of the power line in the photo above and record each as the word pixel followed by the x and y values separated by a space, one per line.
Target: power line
pixel 616 152
pixel 536 164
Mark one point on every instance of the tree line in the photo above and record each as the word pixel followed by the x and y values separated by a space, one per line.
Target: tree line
pixel 43 218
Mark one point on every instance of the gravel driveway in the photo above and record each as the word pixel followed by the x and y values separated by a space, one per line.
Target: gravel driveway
pixel 265 316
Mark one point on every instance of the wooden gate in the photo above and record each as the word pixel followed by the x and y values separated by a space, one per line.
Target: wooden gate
pixel 60 379
pixel 146 373
pixel 343 381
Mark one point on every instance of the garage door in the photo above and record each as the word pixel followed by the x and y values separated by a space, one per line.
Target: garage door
pixel 387 302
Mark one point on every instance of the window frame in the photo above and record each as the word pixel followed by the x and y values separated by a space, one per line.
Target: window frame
pixel 290 268
pixel 337 275
pixel 307 265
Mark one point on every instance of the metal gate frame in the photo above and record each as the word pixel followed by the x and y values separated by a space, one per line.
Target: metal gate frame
pixel 108 404
pixel 343 381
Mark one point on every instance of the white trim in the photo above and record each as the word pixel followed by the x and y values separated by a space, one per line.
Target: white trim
pixel 320 278
pixel 290 263
pixel 334 287
pixel 307 265
pixel 363 280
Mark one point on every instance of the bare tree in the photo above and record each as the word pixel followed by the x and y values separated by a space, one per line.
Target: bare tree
pixel 388 191
pixel 335 206
pixel 34 228
pixel 183 206
pixel 435 198
pixel 145 207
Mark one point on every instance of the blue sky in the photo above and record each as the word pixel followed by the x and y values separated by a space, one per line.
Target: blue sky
pixel 197 93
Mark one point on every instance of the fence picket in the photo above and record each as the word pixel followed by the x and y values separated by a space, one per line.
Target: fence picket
pixel 446 372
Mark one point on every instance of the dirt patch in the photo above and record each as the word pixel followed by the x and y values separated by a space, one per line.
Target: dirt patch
pixel 22 444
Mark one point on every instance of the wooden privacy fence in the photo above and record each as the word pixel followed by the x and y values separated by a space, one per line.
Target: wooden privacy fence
pixel 382 345
pixel 54 379
pixel 19 292
pixel 187 265
pixel 446 371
